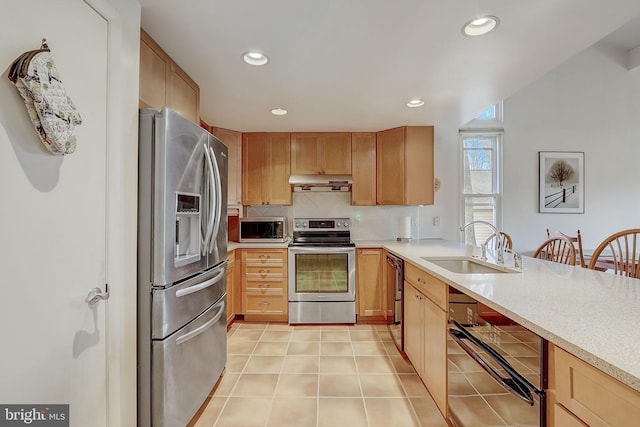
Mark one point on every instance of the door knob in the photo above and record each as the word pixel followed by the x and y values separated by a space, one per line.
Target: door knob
pixel 96 294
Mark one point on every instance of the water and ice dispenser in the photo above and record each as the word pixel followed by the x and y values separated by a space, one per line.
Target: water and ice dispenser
pixel 188 238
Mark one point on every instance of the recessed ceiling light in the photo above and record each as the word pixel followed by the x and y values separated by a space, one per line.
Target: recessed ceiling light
pixel 254 58
pixel 415 103
pixel 279 111
pixel 481 25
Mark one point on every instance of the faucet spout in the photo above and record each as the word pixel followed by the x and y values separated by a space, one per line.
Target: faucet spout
pixel 496 233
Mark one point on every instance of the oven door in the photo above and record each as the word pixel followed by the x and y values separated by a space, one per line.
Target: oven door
pixel 322 273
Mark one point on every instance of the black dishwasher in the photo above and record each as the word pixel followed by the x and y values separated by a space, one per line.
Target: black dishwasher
pixel 395 279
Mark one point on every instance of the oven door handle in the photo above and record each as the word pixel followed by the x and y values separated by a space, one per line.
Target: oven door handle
pixel 512 384
pixel 322 249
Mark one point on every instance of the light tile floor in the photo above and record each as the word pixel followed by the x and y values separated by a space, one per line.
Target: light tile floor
pixel 315 376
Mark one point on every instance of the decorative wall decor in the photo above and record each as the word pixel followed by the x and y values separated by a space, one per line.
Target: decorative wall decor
pixel 50 109
pixel 561 182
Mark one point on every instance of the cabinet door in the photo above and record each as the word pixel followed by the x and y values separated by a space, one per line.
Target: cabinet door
pixel 336 153
pixel 370 292
pixel 183 94
pixel 413 323
pixel 278 170
pixel 390 167
pixel 418 169
pixel 435 353
pixel 363 169
pixel 305 153
pixel 253 162
pixel 233 140
pixel 154 68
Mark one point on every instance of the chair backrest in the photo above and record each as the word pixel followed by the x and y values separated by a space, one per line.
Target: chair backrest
pixel 577 242
pixel 557 249
pixel 505 241
pixel 620 252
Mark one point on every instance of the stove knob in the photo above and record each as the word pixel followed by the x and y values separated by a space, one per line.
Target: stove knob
pixel 346 224
pixel 304 225
pixel 338 224
pixel 297 224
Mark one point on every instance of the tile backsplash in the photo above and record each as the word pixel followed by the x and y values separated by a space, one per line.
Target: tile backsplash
pixel 368 222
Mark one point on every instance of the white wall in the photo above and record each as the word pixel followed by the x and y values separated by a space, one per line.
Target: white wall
pixel 591 103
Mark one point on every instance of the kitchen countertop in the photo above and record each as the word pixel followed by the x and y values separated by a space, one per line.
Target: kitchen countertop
pixel 591 314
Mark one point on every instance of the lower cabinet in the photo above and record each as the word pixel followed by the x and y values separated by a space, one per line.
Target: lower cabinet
pixel 371 295
pixel 264 285
pixel 425 331
pixel 582 395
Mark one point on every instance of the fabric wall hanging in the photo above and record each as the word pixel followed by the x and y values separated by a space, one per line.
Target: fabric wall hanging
pixel 50 109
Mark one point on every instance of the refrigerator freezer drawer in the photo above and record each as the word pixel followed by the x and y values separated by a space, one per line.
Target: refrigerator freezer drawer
pixel 186 366
pixel 174 307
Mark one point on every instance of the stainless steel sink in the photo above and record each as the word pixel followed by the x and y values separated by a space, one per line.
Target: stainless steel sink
pixel 464 265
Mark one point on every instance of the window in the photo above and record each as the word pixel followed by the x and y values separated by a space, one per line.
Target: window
pixel 481 173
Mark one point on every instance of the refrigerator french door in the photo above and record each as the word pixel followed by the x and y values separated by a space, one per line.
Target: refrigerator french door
pixel 182 250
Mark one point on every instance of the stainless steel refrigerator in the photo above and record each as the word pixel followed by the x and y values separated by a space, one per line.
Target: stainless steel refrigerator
pixel 182 253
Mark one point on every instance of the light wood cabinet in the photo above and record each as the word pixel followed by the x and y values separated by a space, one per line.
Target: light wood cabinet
pixel 405 166
pixel 266 169
pixel 164 84
pixel 264 284
pixel 233 140
pixel 363 169
pixel 371 295
pixel 584 395
pixel 321 153
pixel 425 329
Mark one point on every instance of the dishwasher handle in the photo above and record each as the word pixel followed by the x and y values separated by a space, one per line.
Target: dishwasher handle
pixel 513 384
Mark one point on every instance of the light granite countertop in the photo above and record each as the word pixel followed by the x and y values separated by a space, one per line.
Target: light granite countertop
pixel 591 314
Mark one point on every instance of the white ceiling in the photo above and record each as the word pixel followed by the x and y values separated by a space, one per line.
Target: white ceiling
pixel 353 64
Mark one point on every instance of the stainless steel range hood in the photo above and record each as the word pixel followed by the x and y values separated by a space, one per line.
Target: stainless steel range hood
pixel 321 182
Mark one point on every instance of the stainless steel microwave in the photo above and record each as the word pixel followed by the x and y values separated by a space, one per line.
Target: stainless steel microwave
pixel 263 229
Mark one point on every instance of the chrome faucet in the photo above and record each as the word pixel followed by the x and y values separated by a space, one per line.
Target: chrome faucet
pixel 484 244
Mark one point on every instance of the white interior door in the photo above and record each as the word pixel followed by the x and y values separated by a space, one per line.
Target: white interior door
pixel 53 220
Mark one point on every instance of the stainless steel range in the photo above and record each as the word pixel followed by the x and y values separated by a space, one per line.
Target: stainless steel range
pixel 322 272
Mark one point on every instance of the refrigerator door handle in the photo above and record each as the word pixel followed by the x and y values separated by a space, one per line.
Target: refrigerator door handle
pixel 208 234
pixel 200 286
pixel 218 199
pixel 189 335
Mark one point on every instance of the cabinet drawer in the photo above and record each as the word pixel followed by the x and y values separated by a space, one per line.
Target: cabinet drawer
pixel 264 285
pixel 264 257
pixel 435 289
pixel 267 303
pixel 564 418
pixel 264 271
pixel 593 396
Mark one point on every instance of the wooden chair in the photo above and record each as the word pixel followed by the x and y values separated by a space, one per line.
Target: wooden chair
pixel 557 249
pixel 577 242
pixel 619 252
pixel 505 241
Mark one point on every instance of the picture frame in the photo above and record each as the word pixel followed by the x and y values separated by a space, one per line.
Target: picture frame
pixel 561 182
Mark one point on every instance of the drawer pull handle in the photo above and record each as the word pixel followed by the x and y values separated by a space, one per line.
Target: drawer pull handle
pixel 264 258
pixel 264 285
pixel 264 303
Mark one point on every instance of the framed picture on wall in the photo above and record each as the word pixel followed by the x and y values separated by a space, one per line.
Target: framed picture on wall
pixel 561 182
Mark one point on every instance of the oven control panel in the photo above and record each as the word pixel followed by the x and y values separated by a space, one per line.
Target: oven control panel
pixel 321 224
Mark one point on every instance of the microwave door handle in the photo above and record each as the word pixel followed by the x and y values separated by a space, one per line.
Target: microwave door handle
pixel 186 337
pixel 205 244
pixel 511 384
pixel 218 199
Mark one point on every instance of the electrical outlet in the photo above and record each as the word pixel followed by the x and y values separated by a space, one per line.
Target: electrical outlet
pixel 436 221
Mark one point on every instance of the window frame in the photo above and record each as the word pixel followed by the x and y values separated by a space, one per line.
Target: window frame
pixel 497 172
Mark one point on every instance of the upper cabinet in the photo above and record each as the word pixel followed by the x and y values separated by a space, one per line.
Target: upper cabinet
pixel 233 140
pixel 164 84
pixel 363 169
pixel 405 166
pixel 321 153
pixel 266 168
